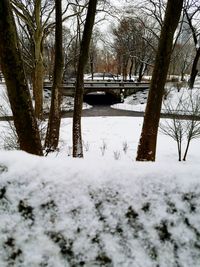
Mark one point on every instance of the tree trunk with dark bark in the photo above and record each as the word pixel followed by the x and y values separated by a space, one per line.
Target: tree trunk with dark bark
pixel 83 57
pixel 17 88
pixel 147 145
pixel 38 37
pixel 136 67
pixel 131 69
pixel 140 74
pixel 194 69
pixel 53 130
pixel 124 68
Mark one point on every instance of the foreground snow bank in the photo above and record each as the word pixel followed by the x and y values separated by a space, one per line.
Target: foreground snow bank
pixel 67 212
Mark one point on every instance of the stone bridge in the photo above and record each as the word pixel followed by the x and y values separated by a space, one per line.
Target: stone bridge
pixel 118 89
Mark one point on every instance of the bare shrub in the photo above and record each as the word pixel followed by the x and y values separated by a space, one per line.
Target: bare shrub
pixel 116 155
pixel 103 148
pixel 181 128
pixel 125 147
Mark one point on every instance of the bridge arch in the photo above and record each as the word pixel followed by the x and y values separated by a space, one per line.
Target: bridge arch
pixel 101 97
pixel 113 92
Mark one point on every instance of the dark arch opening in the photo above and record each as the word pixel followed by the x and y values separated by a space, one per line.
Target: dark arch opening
pixel 100 98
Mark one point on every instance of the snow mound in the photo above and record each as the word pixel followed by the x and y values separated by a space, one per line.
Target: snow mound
pixel 57 212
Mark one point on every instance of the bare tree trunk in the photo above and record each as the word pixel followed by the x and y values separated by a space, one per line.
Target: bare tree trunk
pixel 38 87
pixel 78 101
pixel 92 66
pixel 136 67
pixel 194 69
pixel 191 134
pixel 140 74
pixel 131 69
pixel 38 68
pixel 182 75
pixel 119 65
pixel 186 150
pixel 124 68
pixel 18 91
pixel 53 130
pixel 179 149
pixel 195 36
pixel 148 139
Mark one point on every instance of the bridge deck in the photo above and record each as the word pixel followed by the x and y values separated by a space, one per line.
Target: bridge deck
pixel 94 85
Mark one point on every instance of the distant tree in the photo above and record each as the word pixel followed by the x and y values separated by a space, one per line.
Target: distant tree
pixel 53 129
pixel 78 101
pixel 181 59
pixel 76 30
pixel 124 44
pixel 17 88
pixel 74 49
pixel 151 15
pixel 147 145
pixel 93 51
pixel 49 55
pixel 132 46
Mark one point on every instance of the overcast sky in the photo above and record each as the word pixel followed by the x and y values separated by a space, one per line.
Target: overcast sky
pixel 118 2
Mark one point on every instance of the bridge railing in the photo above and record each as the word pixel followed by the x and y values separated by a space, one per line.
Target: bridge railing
pixel 103 85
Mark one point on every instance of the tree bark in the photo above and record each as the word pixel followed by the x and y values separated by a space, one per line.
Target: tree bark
pixel 38 68
pixel 17 88
pixel 38 86
pixel 140 74
pixel 53 130
pixel 194 69
pixel 124 68
pixel 195 36
pixel 147 145
pixel 83 57
pixel 131 69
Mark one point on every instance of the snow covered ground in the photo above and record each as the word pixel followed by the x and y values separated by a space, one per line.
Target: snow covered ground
pixel 64 212
pixel 105 209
